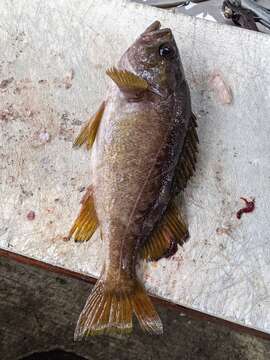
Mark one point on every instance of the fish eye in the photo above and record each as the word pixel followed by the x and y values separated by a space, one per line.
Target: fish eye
pixel 166 51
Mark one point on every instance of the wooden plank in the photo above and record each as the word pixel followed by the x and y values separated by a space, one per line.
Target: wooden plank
pixel 52 70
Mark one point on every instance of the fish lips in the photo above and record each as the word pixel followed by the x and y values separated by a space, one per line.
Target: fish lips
pixel 154 33
pixel 157 37
pixel 156 25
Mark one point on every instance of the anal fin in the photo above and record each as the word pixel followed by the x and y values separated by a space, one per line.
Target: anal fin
pixel 86 222
pixel 88 133
pixel 163 242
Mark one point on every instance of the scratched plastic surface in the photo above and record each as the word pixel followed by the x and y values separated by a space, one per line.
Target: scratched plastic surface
pixel 52 62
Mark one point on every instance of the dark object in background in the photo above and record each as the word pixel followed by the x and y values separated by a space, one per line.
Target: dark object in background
pixel 240 17
pixel 246 13
pixel 172 4
pixel 53 355
pixel 168 4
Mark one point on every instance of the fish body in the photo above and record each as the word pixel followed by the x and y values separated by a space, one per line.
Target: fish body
pixel 140 140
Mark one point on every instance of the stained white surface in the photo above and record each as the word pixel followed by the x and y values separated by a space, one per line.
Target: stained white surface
pixel 56 53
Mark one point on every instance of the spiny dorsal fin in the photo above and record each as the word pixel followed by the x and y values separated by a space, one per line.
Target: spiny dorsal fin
pixel 86 222
pixel 126 80
pixel 187 161
pixel 171 231
pixel 88 133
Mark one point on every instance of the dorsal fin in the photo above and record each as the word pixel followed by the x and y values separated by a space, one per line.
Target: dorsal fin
pixel 171 231
pixel 187 160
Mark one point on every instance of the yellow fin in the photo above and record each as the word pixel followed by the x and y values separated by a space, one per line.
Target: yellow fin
pixel 127 81
pixel 145 312
pixel 171 231
pixel 185 168
pixel 88 133
pixel 109 310
pixel 86 223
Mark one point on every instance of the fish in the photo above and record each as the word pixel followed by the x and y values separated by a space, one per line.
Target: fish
pixel 144 144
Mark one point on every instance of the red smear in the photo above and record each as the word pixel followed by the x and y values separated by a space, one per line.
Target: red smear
pixel 31 215
pixel 250 206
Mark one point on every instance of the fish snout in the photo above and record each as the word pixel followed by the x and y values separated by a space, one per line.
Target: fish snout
pixel 156 25
pixel 157 36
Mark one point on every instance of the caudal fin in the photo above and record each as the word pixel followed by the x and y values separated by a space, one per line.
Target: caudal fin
pixel 109 311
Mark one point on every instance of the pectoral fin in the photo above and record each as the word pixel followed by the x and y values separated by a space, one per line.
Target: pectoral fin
pixel 86 222
pixel 127 81
pixel 88 133
pixel 171 231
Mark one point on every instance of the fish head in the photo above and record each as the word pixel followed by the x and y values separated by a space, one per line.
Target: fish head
pixel 154 56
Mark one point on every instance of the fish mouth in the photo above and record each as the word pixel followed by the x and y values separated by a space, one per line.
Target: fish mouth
pixel 156 25
pixel 154 33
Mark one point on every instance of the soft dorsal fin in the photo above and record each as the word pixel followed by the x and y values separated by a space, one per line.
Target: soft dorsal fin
pixel 127 81
pixel 187 160
pixel 88 133
pixel 86 222
pixel 171 231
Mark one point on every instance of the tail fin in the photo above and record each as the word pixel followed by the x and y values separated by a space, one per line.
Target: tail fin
pixel 109 311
